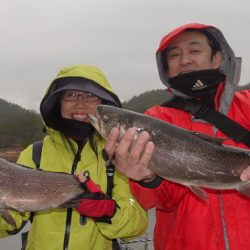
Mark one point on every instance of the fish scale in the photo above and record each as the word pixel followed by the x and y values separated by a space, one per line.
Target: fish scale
pixel 25 189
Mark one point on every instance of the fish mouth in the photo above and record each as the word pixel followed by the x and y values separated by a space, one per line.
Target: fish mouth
pixel 94 121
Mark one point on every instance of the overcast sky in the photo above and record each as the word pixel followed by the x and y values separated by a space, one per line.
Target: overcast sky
pixel 38 37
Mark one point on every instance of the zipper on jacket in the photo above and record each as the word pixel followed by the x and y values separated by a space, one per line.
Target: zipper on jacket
pixel 224 224
pixel 69 210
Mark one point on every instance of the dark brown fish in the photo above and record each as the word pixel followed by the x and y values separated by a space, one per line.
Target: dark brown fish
pixel 181 156
pixel 24 189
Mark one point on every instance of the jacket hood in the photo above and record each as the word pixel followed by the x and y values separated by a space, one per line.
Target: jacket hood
pixel 231 65
pixel 80 77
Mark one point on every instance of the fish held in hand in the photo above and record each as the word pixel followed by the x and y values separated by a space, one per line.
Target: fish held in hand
pixel 24 189
pixel 188 158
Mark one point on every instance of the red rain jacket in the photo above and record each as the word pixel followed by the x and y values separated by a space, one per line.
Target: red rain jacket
pixel 185 222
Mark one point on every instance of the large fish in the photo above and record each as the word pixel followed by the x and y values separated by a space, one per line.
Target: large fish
pixel 181 156
pixel 24 189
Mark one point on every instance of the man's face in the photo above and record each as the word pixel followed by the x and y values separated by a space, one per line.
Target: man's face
pixel 190 51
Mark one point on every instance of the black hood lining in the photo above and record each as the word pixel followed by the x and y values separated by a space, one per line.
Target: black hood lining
pixel 50 106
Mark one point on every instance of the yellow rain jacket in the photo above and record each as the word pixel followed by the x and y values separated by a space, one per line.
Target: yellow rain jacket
pixel 60 229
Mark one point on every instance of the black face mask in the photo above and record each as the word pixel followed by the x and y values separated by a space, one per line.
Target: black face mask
pixel 77 130
pixel 202 84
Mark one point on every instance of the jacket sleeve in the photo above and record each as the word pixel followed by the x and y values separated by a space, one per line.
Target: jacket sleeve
pixel 130 219
pixel 165 196
pixel 20 219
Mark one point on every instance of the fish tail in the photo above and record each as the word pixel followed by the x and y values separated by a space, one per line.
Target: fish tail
pixel 7 217
pixel 202 194
pixel 74 202
pixel 244 188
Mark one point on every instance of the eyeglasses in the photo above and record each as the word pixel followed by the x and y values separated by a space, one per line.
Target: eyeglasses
pixel 72 96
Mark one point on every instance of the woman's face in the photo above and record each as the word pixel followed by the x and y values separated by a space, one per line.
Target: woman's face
pixel 76 105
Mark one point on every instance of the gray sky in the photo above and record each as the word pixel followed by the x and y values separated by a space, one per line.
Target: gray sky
pixel 38 37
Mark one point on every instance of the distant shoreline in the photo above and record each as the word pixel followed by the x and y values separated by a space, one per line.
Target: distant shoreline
pixel 9 155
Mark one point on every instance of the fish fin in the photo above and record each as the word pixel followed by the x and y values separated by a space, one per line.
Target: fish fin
pixel 7 217
pixel 199 192
pixel 245 150
pixel 244 188
pixel 207 138
pixel 74 202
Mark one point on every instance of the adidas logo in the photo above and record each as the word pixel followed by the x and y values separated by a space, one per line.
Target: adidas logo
pixel 199 85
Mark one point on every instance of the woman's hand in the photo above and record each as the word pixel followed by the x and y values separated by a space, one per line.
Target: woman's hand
pixel 95 203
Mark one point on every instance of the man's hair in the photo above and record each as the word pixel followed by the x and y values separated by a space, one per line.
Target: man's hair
pixel 213 43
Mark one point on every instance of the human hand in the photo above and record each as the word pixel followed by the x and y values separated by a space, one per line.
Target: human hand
pixel 245 175
pixel 131 157
pixel 95 204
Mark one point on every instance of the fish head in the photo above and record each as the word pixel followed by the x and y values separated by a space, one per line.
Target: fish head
pixel 108 117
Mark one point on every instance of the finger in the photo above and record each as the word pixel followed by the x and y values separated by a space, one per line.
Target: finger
pixel 144 172
pixel 147 154
pixel 110 144
pixel 81 177
pixel 123 147
pixel 245 176
pixel 138 147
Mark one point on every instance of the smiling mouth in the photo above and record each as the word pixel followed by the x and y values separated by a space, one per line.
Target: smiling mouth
pixel 79 117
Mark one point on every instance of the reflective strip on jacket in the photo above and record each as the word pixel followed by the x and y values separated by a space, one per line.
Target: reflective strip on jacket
pixel 185 222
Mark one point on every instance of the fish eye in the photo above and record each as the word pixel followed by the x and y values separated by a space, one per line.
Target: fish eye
pixel 105 118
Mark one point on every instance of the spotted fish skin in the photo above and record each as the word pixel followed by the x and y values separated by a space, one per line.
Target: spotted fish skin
pixel 24 189
pixel 181 156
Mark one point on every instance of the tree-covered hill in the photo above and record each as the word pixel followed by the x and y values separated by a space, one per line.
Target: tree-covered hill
pixel 146 100
pixel 18 127
pixel 247 86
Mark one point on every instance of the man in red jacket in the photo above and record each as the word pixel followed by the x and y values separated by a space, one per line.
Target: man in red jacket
pixel 194 62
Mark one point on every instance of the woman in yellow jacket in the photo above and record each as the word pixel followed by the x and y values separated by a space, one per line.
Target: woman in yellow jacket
pixel 72 146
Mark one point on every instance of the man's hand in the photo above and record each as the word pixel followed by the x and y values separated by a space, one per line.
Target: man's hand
pixel 131 157
pixel 245 175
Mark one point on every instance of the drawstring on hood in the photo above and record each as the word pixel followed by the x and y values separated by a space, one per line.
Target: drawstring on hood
pixel 231 65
